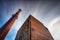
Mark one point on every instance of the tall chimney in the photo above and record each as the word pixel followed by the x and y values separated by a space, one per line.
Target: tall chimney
pixel 6 27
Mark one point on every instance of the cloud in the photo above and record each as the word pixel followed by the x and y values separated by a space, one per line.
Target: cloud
pixel 43 11
pixel 54 28
pixel 54 21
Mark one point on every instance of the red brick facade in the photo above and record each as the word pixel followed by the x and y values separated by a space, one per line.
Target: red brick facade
pixel 32 29
pixel 6 27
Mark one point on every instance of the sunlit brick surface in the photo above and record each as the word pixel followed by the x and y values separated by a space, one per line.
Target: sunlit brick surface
pixel 6 27
pixel 32 29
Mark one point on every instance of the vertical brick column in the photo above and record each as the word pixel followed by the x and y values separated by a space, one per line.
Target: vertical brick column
pixel 6 27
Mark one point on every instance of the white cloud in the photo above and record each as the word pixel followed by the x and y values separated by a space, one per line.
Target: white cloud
pixel 54 28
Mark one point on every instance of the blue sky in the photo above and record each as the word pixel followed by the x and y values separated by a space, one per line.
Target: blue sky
pixel 44 11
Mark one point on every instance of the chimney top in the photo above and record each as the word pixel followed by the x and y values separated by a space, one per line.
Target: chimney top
pixel 20 10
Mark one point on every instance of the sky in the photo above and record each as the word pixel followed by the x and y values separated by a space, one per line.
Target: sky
pixel 55 28
pixel 44 11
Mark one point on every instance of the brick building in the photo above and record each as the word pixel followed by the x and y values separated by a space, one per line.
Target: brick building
pixel 32 29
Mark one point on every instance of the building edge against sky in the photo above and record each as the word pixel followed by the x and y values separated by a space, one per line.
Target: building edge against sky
pixel 32 29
